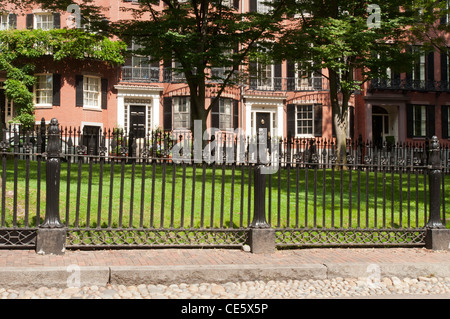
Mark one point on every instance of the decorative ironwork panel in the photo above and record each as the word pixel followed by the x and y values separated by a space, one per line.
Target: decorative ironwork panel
pixel 349 237
pixel 18 237
pixel 155 237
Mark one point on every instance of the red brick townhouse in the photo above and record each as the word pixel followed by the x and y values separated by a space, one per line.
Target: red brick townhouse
pixel 281 97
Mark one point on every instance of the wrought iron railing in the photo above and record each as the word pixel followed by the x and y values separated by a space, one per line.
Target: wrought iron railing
pixel 141 74
pixel 120 191
pixel 410 85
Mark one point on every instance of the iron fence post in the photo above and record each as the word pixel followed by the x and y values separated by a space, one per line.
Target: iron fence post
pixel 436 237
pixel 435 179
pixel 51 235
pixel 261 235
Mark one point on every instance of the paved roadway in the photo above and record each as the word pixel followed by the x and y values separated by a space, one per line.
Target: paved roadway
pixel 226 274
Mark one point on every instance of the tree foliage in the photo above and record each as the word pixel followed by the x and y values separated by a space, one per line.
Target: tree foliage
pixel 199 35
pixel 20 50
pixel 335 36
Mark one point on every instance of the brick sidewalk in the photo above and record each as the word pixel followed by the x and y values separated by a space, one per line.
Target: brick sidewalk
pixel 179 257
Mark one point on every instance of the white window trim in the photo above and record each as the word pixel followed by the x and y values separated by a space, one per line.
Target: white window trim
pixel 35 20
pixel 272 110
pixel 42 105
pixel 175 100
pixel 4 14
pixel 296 121
pixel 423 122
pixel 230 115
pixel 99 98
pixel 259 78
pixel 147 103
pixel 261 7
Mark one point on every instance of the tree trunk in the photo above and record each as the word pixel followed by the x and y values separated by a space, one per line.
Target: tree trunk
pixel 340 117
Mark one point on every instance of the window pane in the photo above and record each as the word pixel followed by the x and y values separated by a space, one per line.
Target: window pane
pixel 304 119
pixel 44 89
pixel 91 86
pixel 3 22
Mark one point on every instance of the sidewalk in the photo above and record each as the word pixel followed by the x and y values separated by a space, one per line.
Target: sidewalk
pixel 25 268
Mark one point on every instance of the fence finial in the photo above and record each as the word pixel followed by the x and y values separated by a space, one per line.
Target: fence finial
pixel 53 146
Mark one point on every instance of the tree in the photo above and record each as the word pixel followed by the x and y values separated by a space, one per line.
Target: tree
pixel 341 38
pixel 21 50
pixel 199 35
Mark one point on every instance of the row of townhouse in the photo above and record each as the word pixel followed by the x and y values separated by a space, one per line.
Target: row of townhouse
pixel 284 98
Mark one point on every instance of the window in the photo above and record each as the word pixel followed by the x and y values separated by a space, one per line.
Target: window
pixel 91 91
pixel 263 6
pixel 181 112
pixel 419 68
pixel 224 114
pixel 419 120
pixel 264 78
pixel 43 89
pixel 44 21
pixel 4 22
pixel 304 120
pixel 445 18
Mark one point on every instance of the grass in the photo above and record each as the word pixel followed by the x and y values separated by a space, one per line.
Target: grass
pixel 218 204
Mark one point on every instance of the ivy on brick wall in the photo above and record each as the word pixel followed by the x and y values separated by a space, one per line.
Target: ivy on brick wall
pixel 21 49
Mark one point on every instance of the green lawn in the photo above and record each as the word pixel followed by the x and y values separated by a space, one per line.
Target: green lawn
pixel 316 206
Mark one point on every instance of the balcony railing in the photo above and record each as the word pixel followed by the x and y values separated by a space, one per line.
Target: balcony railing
pixel 140 74
pixel 289 84
pixel 152 74
pixel 410 85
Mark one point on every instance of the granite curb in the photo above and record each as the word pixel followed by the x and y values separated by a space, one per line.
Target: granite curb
pixel 64 276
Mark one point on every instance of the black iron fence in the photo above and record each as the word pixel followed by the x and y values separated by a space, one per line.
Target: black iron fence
pixel 117 190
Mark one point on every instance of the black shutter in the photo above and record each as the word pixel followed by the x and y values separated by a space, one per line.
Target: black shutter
pixel 104 85
pixel 167 70
pixel 444 120
pixel 56 89
pixel 409 121
pixel 30 19
pixel 252 76
pixel 167 113
pixel 410 70
pixel 430 121
pixel 253 5
pixel 290 74
pixel 317 119
pixel 56 20
pixel 444 72
pixel 236 51
pixel 215 114
pixel 277 76
pixel 236 4
pixel 12 21
pixel 430 70
pixel 291 120
pixel 444 17
pixel 235 114
pixel 351 109
pixel 79 90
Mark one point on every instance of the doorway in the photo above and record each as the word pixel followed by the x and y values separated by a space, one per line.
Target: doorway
pixel 380 125
pixel 263 121
pixel 91 138
pixel 137 120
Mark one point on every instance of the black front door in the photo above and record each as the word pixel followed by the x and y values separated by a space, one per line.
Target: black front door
pixel 137 120
pixel 377 130
pixel 263 121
